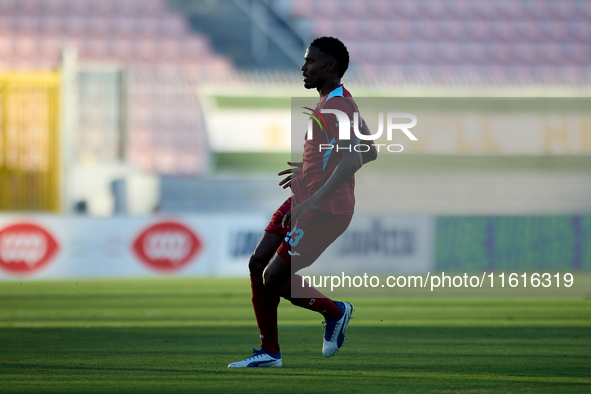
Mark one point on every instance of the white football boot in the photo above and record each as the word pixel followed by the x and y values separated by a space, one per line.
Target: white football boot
pixel 334 331
pixel 260 358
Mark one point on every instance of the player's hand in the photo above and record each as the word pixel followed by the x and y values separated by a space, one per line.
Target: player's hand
pixel 296 214
pixel 286 222
pixel 294 172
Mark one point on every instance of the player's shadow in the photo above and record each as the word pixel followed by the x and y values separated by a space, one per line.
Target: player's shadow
pixel 523 351
pixel 502 353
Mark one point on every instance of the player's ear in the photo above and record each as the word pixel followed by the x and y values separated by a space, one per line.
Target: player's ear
pixel 331 66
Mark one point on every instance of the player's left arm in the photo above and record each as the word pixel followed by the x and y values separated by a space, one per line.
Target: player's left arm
pixel 371 154
pixel 350 162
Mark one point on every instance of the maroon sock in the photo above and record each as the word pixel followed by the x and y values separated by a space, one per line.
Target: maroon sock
pixel 265 304
pixel 312 299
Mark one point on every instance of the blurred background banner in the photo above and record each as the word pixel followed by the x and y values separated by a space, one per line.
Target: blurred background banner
pixel 115 115
pixel 61 247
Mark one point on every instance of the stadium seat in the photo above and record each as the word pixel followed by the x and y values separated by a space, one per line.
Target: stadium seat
pixel 548 53
pixel 25 47
pixel 406 9
pixel 476 54
pixel 76 43
pixel 5 46
pixel 503 31
pixel 523 54
pixel 217 68
pixel 326 27
pixel 580 31
pixel 395 53
pixel 79 8
pixel 355 9
pixel 459 9
pixel 121 27
pixel 349 29
pixel 431 9
pixel 358 50
pixel 576 54
pixel 527 31
pixel 583 10
pixel 424 52
pixel 301 8
pixel 449 53
pixel 6 24
pixel 538 10
pixel 53 7
pixel 28 7
pixel 142 8
pixel 426 30
pixel 508 10
pixel 147 27
pixel 400 30
pixel 24 24
pixel 193 48
pixel 500 53
pixel 168 50
pixel 326 8
pixel 372 29
pixel 563 10
pixel 7 7
pixel 555 31
pixel 95 49
pixel 103 8
pixel 382 9
pixel 50 25
pixel 144 50
pixel 50 49
pixel 150 8
pixel 478 31
pixel 125 8
pixel 98 27
pixel 172 26
pixel 485 10
pixel 121 50
pixel 74 26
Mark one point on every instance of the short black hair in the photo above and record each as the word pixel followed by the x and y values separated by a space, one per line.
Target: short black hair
pixel 335 48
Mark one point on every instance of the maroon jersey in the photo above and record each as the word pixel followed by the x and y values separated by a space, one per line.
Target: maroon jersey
pixel 319 165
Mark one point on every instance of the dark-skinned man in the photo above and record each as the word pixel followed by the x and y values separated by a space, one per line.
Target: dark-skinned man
pixel 319 211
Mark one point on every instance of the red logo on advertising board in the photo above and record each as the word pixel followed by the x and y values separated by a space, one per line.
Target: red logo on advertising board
pixel 25 247
pixel 167 246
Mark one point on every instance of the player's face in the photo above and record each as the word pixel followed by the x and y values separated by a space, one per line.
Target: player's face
pixel 314 69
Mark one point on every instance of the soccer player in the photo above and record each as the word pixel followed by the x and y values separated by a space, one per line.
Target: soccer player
pixel 319 211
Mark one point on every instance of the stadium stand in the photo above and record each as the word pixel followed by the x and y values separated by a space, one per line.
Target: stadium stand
pixel 162 52
pixel 130 32
pixel 502 41
pixel 164 60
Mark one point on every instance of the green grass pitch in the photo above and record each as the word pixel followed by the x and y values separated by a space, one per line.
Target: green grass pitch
pixel 178 335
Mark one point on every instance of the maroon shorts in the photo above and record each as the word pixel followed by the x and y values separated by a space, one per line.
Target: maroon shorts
pixel 315 232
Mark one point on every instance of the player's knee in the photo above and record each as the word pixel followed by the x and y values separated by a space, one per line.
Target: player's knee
pixel 256 265
pixel 271 281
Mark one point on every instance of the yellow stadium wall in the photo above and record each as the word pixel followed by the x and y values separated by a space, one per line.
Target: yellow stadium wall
pixel 29 141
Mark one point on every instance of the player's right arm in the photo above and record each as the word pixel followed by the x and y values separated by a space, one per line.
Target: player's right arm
pixel 349 163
